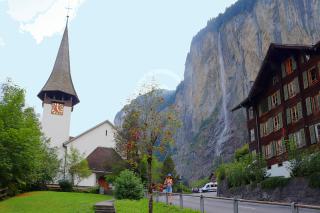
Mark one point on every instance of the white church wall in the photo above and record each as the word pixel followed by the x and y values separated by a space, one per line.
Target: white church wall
pixel 90 181
pixel 56 127
pixel 96 137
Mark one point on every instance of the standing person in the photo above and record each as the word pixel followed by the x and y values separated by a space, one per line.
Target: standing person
pixel 168 182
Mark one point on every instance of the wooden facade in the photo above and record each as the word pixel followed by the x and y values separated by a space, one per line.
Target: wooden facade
pixel 284 101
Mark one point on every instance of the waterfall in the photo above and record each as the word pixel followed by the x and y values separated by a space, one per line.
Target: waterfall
pixel 224 135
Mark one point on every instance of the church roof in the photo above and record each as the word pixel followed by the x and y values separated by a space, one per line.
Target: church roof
pixel 60 80
pixel 102 159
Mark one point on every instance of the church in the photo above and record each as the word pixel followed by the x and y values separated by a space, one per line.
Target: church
pixel 59 98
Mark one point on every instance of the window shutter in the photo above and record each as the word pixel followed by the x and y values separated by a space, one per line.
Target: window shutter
pixel 299 107
pixel 305 79
pixel 280 120
pixel 312 134
pixel 283 70
pixel 261 130
pixel 296 85
pixel 308 105
pixel 318 100
pixel 303 138
pixel 269 103
pixel 270 125
pixel 294 64
pixel 273 149
pixel 278 97
pixel 285 90
pixel 288 116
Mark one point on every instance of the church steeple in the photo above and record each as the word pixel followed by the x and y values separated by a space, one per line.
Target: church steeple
pixel 59 86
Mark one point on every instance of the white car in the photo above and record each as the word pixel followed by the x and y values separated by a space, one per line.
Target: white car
pixel 209 187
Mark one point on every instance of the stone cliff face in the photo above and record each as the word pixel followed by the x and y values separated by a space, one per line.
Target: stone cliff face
pixel 224 59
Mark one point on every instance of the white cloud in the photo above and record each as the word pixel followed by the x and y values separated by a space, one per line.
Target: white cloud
pixel 27 9
pixel 42 18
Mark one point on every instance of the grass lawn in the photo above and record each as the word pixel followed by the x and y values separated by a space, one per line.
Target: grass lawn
pixel 47 201
pixel 141 206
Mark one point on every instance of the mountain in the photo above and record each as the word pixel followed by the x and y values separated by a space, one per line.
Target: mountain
pixel 223 61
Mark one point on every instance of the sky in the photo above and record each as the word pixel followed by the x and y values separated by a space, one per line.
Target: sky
pixel 115 47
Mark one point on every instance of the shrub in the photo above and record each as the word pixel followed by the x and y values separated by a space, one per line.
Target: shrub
pixel 236 174
pixel 305 165
pixel 241 152
pixel 221 173
pixel 128 186
pixel 94 190
pixel 199 183
pixel 274 182
pixel 314 180
pixel 180 187
pixel 65 185
pixel 247 169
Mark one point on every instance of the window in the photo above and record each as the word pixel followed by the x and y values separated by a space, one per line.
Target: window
pixel 274 99
pixel 267 150
pixel 313 76
pixel 276 123
pixel 298 137
pixel 288 66
pixel 252 137
pixel 314 133
pixel 251 113
pixel 273 149
pixel 280 147
pixel 313 104
pixel 264 128
pixel 106 132
pixel 294 114
pixel 291 90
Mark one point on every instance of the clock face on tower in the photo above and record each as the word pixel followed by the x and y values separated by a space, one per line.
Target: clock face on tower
pixel 57 109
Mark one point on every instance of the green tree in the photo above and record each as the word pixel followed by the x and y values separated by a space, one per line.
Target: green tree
pixel 127 136
pixel 22 148
pixel 168 167
pixel 156 129
pixel 49 165
pixel 77 166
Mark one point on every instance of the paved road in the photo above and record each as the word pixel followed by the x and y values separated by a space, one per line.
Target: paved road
pixel 226 206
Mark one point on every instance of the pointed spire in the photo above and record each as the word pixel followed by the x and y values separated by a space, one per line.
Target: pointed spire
pixel 60 80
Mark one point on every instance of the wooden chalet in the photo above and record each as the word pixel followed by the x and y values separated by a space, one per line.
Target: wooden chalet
pixel 284 103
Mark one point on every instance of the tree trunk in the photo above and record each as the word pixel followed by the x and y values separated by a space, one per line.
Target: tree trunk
pixel 149 171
